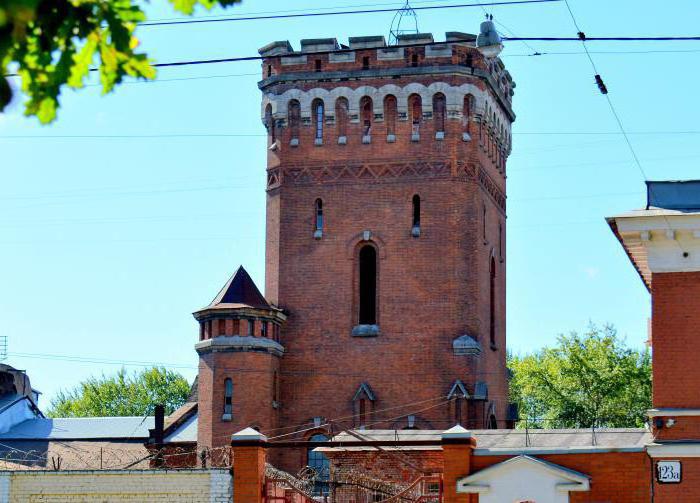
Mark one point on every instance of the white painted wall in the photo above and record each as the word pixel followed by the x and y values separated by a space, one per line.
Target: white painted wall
pixel 524 483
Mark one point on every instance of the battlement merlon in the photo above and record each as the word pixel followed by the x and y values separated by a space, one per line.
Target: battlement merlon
pixel 369 57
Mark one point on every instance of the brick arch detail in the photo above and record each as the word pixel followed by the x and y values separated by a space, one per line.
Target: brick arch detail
pixel 352 245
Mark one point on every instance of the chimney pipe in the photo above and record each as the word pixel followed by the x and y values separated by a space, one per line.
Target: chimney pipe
pixel 160 424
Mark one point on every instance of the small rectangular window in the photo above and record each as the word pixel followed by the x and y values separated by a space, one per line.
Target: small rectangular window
pixel 317 65
pixel 365 63
pixel 228 397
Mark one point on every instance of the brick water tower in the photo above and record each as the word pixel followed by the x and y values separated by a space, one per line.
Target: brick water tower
pixel 386 217
pixel 384 301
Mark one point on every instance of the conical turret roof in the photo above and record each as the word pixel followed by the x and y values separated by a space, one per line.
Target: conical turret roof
pixel 239 291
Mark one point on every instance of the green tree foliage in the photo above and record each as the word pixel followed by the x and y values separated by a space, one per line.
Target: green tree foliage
pixel 123 395
pixel 586 380
pixel 52 43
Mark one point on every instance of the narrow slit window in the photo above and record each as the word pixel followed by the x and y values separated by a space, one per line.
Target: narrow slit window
pixel 368 285
pixel 318 118
pixel 222 327
pixel 390 114
pixel 467 111
pixel 228 397
pixel 341 116
pixel 439 110
pixel 363 412
pixel 251 327
pixel 202 332
pixel 365 63
pixel 416 110
pixel 318 209
pixel 269 70
pixel 367 115
pixel 275 387
pixel 414 59
pixel 294 118
pixel 416 211
pixel 270 124
pixel 263 329
pixel 318 65
pixel 459 405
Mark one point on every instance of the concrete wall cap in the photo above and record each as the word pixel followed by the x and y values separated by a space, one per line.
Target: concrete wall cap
pixel 248 434
pixel 456 431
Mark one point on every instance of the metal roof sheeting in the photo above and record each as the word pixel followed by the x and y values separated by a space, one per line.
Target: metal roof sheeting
pixel 82 428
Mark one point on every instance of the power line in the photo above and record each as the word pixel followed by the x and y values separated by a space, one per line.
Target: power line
pixel 337 13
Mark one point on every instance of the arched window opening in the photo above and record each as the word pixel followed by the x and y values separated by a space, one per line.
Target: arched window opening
pixel 270 124
pixel 390 113
pixel 367 114
pixel 415 106
pixel 415 228
pixel 439 112
pixel 228 399
pixel 320 464
pixel 492 303
pixel 493 424
pixel 294 121
pixel 467 111
pixel 368 285
pixel 318 215
pixel 317 108
pixel 341 119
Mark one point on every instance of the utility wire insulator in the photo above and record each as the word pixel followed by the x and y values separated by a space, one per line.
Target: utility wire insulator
pixel 582 36
pixel 601 85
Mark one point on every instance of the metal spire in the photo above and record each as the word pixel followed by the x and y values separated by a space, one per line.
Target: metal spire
pixel 405 21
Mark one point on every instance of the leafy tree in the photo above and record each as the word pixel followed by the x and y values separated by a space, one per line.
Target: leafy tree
pixel 52 43
pixel 123 395
pixel 585 380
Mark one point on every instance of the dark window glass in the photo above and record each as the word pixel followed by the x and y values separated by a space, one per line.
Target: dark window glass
pixel 317 65
pixel 368 285
pixel 365 63
pixel 414 60
pixel 228 396
pixel 318 117
pixel 320 464
pixel 416 210
pixel 319 214
pixel 263 329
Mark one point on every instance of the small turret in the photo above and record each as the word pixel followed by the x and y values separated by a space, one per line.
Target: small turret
pixel 239 350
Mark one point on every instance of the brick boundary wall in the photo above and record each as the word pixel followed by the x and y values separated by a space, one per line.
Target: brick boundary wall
pixel 116 486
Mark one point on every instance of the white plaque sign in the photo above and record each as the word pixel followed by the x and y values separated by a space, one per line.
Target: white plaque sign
pixel 668 472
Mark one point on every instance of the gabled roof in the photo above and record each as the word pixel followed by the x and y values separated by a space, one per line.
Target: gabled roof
pixel 240 291
pixel 364 389
pixel 570 480
pixel 458 390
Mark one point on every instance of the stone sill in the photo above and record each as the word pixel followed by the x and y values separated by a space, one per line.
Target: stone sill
pixel 365 331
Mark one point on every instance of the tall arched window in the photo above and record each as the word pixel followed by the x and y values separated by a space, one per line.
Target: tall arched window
pixel 341 118
pixel 492 303
pixel 390 112
pixel 317 108
pixel 415 107
pixel 368 285
pixel 366 114
pixel 320 465
pixel 459 410
pixel 275 388
pixel 415 229
pixel 439 112
pixel 318 218
pixel 270 124
pixel 228 398
pixel 294 119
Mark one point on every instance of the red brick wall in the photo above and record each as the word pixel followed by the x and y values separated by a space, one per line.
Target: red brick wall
pixel 432 289
pixel 623 477
pixel 687 490
pixel 252 375
pixel 675 326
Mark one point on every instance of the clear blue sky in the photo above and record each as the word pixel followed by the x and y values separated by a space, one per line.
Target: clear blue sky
pixel 108 245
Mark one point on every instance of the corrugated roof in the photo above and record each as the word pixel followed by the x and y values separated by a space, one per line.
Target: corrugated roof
pixel 81 428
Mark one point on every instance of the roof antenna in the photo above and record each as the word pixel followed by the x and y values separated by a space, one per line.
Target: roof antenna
pixel 405 21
